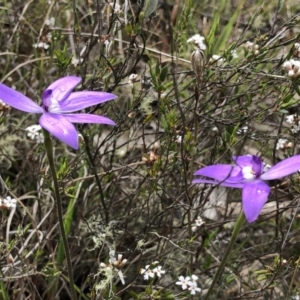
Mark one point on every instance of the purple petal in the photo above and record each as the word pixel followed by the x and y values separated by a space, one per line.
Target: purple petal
pixel 60 89
pixel 61 128
pixel 284 168
pixel 18 100
pixel 255 195
pixel 243 160
pixel 226 173
pixel 88 118
pixel 224 183
pixel 81 100
pixel 252 161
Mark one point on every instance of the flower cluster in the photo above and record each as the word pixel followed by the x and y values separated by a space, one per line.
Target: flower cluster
pixel 283 144
pixel 8 203
pixel 249 175
pixel 294 121
pixel 189 283
pixel 198 41
pixel 252 47
pixel 152 270
pixel 34 133
pixel 58 103
pixel 292 66
pixel 41 45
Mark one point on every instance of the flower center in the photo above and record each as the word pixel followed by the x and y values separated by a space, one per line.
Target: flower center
pixel 248 173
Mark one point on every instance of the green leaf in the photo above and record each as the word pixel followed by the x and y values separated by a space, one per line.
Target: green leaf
pixel 163 74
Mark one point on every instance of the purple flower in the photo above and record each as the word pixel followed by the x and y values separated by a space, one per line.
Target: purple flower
pixel 58 102
pixel 249 175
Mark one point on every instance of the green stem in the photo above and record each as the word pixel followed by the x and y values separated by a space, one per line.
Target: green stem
pixel 49 151
pixel 238 225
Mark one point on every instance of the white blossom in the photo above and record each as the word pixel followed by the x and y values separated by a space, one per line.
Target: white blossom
pixel 8 202
pixel 184 282
pixel 159 271
pixel 283 144
pixel 194 288
pixel 198 41
pixel 50 21
pixel 132 78
pixel 292 66
pixel 33 132
pixel 179 139
pixel 147 272
pixel 252 47
pixel 41 45
pixel 294 121
pixel 189 283
pixel 218 59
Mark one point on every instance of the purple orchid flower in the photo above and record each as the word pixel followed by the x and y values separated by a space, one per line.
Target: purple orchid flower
pixel 57 103
pixel 249 175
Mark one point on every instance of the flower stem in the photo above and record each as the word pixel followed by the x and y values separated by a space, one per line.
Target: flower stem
pixel 49 151
pixel 238 225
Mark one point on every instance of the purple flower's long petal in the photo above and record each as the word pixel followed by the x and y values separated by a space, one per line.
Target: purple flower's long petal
pixel 286 167
pixel 61 128
pixel 226 173
pixel 81 100
pixel 224 183
pixel 60 89
pixel 18 100
pixel 254 196
pixel 88 118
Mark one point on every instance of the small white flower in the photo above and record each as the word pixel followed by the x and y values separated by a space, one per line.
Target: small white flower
pixel 8 202
pixel 147 272
pixel 218 59
pixel 252 47
pixel 33 132
pixel 158 271
pixel 199 222
pixel 41 45
pixel 75 61
pixel 179 139
pixel 249 45
pixel 292 67
pixel 194 278
pixel 287 65
pixel 184 282
pixel 283 144
pixel 198 41
pixel 132 79
pixel 193 288
pixel 234 54
pixel 50 21
pixel 290 119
